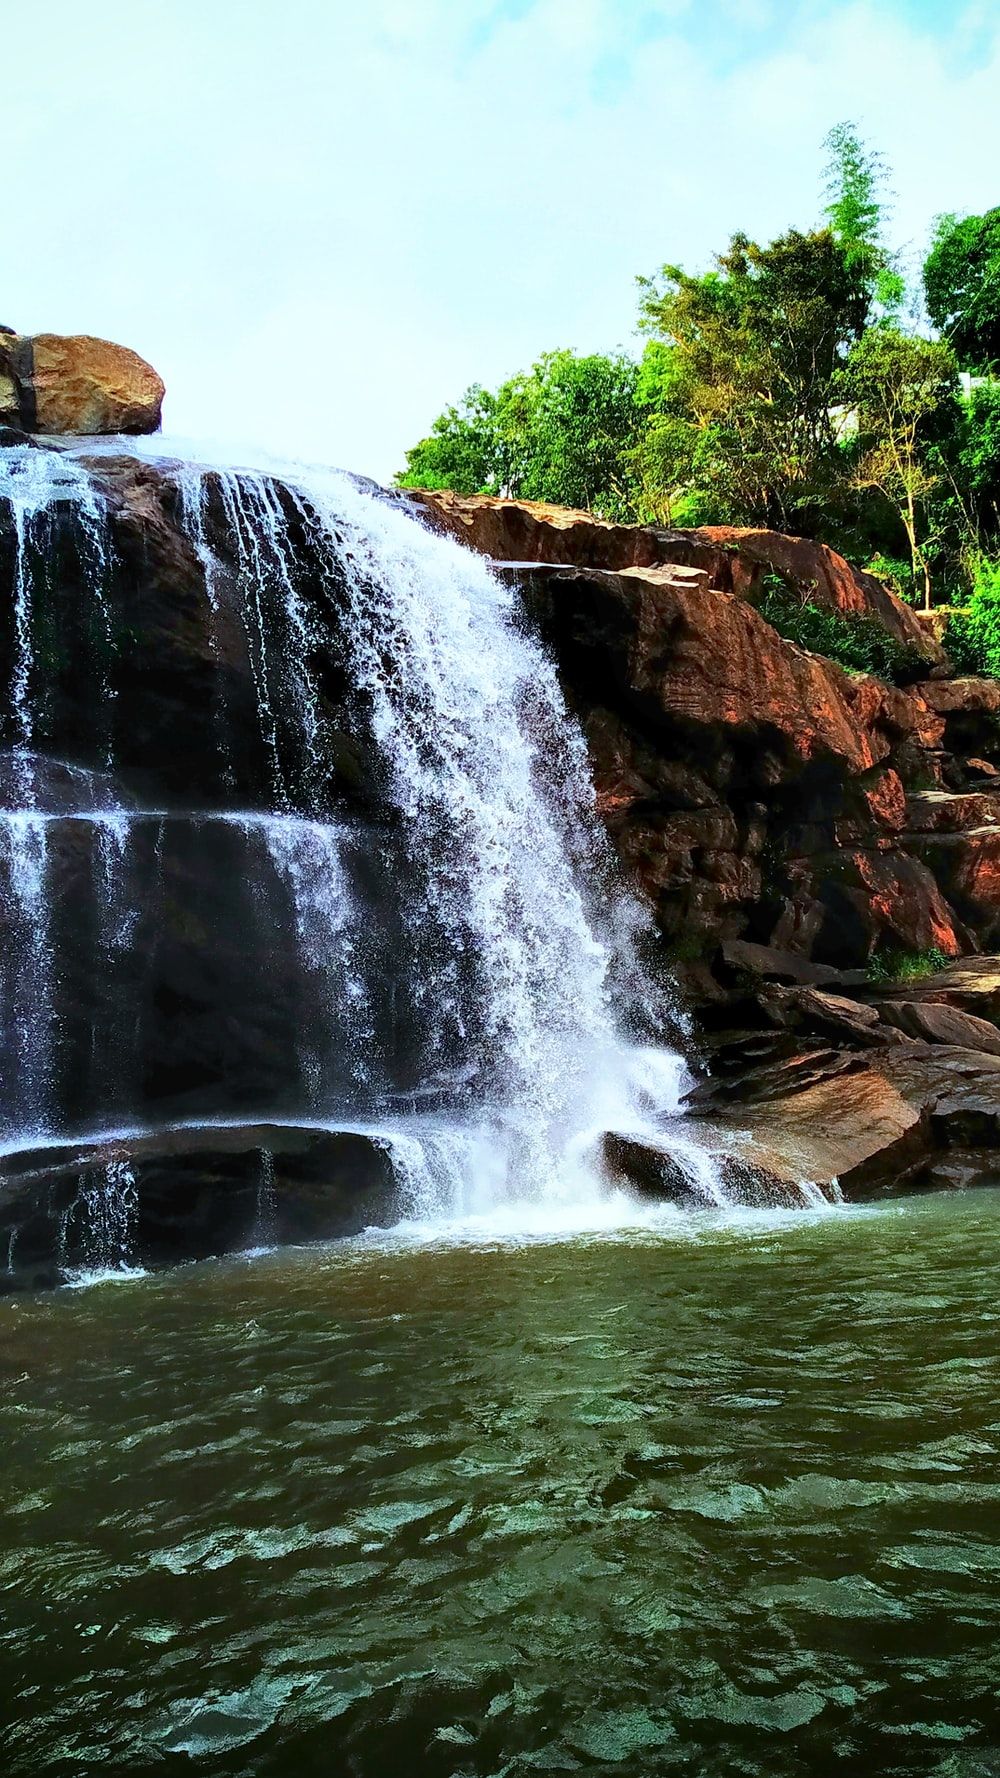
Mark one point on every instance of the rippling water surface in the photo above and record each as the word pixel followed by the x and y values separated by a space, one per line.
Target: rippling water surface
pixel 718 1499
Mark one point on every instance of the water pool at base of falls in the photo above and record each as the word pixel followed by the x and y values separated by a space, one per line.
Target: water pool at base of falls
pixel 718 1497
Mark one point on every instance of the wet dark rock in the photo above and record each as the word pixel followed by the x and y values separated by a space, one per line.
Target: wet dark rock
pixel 776 965
pixel 658 1174
pixel 650 1172
pixel 202 1192
pixel 826 1015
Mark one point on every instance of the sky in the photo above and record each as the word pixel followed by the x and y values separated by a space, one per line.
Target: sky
pixel 321 220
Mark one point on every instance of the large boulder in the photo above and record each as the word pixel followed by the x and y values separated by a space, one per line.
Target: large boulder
pixel 656 1171
pixel 877 1124
pixel 73 383
pixel 198 1192
pixel 969 711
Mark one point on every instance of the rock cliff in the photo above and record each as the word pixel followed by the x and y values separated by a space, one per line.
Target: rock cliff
pixel 803 835
pixel 801 832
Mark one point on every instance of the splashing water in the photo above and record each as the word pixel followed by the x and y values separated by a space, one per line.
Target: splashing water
pixel 491 781
pixel 514 936
pixel 106 1212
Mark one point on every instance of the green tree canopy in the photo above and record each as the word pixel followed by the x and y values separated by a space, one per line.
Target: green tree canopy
pixel 857 211
pixel 754 349
pixel 962 287
pixel 901 387
pixel 563 432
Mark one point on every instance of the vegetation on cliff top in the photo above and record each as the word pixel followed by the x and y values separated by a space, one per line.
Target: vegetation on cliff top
pixel 858 643
pixel 799 385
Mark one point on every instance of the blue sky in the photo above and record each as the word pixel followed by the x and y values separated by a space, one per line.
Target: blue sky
pixel 322 220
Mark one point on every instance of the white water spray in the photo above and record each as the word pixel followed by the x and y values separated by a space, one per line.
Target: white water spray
pixel 491 780
pixel 510 905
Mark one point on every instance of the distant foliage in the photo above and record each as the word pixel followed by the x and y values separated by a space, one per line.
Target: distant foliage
pixel 979 457
pixel 972 638
pixel 857 643
pixel 786 386
pixel 899 386
pixel 564 432
pixel 962 287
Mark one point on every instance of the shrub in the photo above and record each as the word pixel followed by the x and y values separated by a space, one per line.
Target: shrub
pixel 892 964
pixel 857 643
pixel 897 575
pixel 972 637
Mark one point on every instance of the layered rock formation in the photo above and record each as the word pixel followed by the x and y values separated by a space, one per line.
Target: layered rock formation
pixel 800 831
pixel 734 560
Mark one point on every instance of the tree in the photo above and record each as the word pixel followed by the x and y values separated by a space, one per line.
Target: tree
pixel 754 349
pixel 979 461
pixel 562 432
pixel 857 210
pixel 461 449
pixel 962 287
pixel 901 386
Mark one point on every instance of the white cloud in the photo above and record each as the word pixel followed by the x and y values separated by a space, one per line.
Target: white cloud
pixel 322 225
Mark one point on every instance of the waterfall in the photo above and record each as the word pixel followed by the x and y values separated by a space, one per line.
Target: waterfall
pixel 514 915
pixel 306 854
pixel 34 484
pixel 26 987
pixel 464 962
pixel 109 1205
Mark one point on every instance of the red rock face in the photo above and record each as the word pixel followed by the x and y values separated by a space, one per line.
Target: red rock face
pixel 830 580
pixel 755 790
pixel 734 560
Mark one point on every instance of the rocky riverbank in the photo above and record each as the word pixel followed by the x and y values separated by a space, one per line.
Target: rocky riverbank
pixel 803 834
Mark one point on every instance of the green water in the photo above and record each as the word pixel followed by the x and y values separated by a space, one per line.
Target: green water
pixel 719 1500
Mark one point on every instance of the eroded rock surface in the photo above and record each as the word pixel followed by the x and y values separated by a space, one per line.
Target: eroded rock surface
pixel 798 830
pixel 73 383
pixel 734 560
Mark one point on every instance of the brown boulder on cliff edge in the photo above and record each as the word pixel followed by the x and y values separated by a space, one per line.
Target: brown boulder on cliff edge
pixel 73 383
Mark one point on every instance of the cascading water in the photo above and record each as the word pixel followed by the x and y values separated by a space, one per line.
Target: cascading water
pixel 454 950
pixel 491 781
pixel 34 484
pixel 108 1206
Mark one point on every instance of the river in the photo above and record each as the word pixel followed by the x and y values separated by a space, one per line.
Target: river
pixel 713 1496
